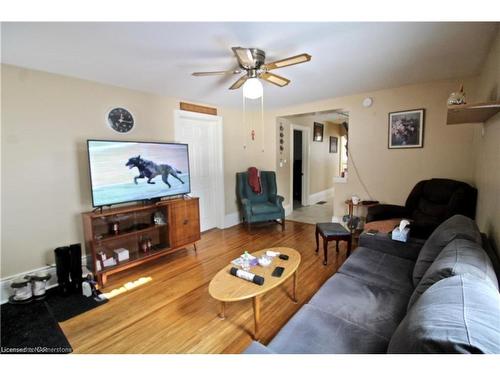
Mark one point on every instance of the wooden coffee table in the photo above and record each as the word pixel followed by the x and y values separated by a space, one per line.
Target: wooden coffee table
pixel 225 287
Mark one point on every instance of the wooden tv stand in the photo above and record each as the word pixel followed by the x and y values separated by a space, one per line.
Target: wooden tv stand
pixel 179 228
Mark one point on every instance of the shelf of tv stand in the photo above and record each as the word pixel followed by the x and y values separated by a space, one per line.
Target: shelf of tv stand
pixel 132 233
pixel 137 258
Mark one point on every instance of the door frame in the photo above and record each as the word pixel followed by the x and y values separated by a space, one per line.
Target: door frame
pixel 306 135
pixel 218 166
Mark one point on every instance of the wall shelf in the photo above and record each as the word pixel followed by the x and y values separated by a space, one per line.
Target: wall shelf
pixel 472 113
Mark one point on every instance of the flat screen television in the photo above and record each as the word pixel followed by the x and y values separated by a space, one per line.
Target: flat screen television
pixel 123 171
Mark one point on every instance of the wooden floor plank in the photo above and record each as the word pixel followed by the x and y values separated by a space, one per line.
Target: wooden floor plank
pixel 174 312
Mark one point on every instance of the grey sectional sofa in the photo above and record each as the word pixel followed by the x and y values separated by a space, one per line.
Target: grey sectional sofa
pixel 437 296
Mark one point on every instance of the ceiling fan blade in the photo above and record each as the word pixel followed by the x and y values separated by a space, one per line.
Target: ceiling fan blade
pixel 244 56
pixel 274 79
pixel 239 83
pixel 216 73
pixel 299 59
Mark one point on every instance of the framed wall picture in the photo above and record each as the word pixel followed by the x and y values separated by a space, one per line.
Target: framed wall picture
pixel 318 132
pixel 334 144
pixel 406 129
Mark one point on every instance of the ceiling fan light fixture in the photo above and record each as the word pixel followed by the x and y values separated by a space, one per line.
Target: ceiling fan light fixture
pixel 252 89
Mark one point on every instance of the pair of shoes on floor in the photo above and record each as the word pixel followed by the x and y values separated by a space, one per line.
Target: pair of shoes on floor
pixel 29 287
pixel 69 269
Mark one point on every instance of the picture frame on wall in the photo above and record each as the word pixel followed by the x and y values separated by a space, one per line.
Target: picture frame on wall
pixel 334 145
pixel 318 132
pixel 406 129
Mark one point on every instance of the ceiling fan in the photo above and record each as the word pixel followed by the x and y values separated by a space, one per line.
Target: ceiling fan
pixel 251 61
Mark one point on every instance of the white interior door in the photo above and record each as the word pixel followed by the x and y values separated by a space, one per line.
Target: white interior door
pixel 203 134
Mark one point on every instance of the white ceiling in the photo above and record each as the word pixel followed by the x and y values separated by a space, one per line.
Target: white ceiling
pixel 347 58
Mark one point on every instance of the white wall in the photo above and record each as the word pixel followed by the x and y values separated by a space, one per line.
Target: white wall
pixel 487 150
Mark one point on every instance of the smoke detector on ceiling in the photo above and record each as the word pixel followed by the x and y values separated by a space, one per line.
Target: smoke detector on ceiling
pixel 367 102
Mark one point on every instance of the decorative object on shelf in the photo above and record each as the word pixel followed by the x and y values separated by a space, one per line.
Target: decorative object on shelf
pixel 334 141
pixel 318 132
pixel 120 120
pixel 145 244
pixel 457 98
pixel 367 102
pixel 121 254
pixel 159 218
pixel 114 228
pixel 355 199
pixel 110 262
pixel 406 129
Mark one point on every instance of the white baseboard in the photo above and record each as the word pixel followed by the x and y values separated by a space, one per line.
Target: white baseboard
pixel 321 196
pixel 6 290
pixel 288 209
pixel 232 219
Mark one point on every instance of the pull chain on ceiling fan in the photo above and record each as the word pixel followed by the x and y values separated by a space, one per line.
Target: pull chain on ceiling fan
pixel 251 61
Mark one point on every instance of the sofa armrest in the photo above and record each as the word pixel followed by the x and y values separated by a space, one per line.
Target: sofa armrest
pixel 382 242
pixel 385 212
pixel 257 348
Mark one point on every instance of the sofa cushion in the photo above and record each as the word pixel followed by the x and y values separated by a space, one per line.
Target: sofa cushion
pixel 457 258
pixel 457 226
pixel 312 330
pixel 460 314
pixel 380 269
pixel 375 308
pixel 264 208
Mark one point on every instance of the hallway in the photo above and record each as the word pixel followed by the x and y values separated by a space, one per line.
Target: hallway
pixel 315 213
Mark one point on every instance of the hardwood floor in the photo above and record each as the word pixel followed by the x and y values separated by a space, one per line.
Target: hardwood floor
pixel 174 312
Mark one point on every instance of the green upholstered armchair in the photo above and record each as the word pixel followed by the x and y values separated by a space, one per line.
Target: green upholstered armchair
pixel 260 207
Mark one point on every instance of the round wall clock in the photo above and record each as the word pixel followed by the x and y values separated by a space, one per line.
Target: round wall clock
pixel 120 120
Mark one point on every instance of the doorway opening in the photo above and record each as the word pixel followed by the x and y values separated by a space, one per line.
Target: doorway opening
pixel 299 167
pixel 318 159
pixel 298 174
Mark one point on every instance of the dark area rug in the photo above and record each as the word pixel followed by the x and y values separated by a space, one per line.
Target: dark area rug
pixel 64 308
pixel 31 328
pixel 34 328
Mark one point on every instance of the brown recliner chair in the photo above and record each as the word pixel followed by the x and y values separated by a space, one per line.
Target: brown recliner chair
pixel 429 204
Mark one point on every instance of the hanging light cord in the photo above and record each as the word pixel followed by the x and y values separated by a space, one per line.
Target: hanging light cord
pixel 357 173
pixel 262 120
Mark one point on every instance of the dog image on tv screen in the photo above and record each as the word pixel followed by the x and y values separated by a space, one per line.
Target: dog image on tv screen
pixel 133 171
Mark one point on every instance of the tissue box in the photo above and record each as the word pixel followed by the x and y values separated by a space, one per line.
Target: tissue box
pixel 121 254
pixel 401 235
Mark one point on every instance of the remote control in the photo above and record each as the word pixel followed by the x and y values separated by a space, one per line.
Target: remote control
pixel 278 271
